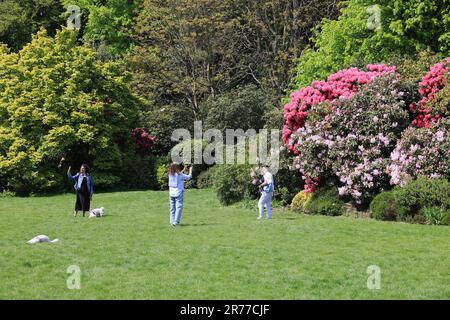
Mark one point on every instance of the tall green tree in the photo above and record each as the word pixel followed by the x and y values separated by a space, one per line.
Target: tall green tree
pixel 192 51
pixel 107 25
pixel 371 31
pixel 58 100
pixel 19 19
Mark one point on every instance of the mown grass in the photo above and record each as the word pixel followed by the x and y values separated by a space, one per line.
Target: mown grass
pixel 217 253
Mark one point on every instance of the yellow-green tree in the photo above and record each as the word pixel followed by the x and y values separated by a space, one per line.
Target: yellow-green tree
pixel 57 100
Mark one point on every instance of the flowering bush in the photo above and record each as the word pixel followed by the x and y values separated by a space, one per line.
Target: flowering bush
pixel 430 87
pixel 300 201
pixel 342 84
pixel 355 140
pixel 421 151
pixel 143 140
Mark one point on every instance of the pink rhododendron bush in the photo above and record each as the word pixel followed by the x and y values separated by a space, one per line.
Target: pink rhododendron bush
pixel 421 151
pixel 342 84
pixel 431 85
pixel 352 139
pixel 366 131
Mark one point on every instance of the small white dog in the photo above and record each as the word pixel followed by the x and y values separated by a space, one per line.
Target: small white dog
pixel 97 213
pixel 42 238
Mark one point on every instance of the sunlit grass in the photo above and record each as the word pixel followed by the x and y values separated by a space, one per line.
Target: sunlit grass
pixel 217 253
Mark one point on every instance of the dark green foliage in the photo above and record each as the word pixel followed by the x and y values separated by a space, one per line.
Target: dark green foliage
pixel 232 183
pixel 425 192
pixel 241 108
pixel 386 206
pixel 423 200
pixel 191 50
pixel 19 19
pixel 325 202
pixel 139 173
pixel 284 196
pixel 273 117
pixel 436 215
pixel 414 68
pixel 288 181
pixel 162 121
pixel 206 178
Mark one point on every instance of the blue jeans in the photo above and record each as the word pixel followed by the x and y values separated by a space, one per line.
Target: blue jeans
pixel 176 208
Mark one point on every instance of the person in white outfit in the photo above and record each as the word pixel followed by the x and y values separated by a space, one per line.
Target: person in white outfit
pixel 266 188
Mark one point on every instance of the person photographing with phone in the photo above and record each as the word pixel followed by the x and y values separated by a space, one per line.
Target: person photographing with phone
pixel 266 188
pixel 176 191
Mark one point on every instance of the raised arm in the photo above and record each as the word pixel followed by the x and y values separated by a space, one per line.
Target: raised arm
pixel 70 176
pixel 187 176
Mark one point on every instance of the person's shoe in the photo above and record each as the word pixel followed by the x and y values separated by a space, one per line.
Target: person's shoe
pixel 173 225
pixel 260 218
pixel 75 214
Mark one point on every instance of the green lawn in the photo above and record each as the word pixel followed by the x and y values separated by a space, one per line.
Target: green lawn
pixel 217 253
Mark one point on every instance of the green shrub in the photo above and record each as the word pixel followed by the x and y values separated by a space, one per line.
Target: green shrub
pixel 232 183
pixel 436 215
pixel 423 200
pixel 445 220
pixel 283 196
pixel 288 181
pixel 139 172
pixel 206 178
pixel 325 206
pixel 300 201
pixel 424 193
pixel 7 194
pixel 386 206
pixel 325 202
pixel 161 174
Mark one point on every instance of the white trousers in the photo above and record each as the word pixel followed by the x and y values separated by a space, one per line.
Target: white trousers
pixel 264 201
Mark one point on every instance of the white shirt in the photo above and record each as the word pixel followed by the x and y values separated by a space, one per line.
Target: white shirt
pixel 176 183
pixel 268 178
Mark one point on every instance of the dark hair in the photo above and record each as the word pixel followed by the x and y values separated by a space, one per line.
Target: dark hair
pixel 86 167
pixel 174 168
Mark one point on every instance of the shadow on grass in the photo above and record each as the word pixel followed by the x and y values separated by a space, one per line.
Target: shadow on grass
pixel 286 218
pixel 197 224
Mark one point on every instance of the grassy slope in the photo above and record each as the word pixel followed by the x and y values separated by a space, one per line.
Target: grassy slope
pixel 218 253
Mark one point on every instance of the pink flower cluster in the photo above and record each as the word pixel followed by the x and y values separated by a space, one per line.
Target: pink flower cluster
pixel 341 85
pixel 434 81
pixel 420 151
pixel 143 140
